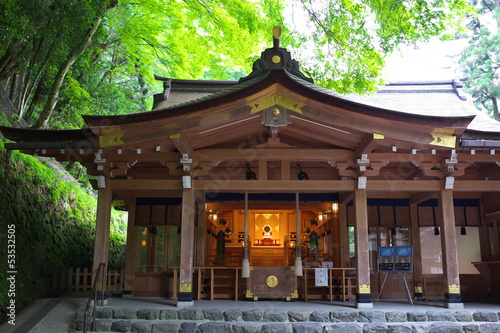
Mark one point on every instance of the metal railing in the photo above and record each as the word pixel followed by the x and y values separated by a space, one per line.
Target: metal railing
pixel 93 297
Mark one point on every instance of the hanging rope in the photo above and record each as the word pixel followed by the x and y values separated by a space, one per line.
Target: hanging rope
pixel 298 252
pixel 245 264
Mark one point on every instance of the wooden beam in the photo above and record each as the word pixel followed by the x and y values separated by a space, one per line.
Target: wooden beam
pixel 477 186
pixel 419 197
pixel 369 142
pixel 492 171
pixel 316 134
pixel 145 184
pixel 330 155
pixel 275 185
pixel 309 185
pixel 403 185
pixel 390 128
pixel 346 197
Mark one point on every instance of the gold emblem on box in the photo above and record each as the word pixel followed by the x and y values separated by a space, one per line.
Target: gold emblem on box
pixel 271 281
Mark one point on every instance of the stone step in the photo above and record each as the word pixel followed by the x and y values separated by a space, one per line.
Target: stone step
pixel 161 320
pixel 169 326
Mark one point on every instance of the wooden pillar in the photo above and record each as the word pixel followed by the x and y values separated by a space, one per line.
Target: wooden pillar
pixel 185 297
pixel 345 258
pixel 262 170
pixel 449 249
pixel 285 170
pixel 417 251
pixel 201 232
pixel 130 254
pixel 363 292
pixel 101 243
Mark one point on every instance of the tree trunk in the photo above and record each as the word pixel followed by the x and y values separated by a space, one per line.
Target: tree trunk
pixel 61 74
pixel 494 102
pixel 11 61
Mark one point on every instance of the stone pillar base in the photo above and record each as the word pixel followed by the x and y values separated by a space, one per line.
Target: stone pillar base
pixel 181 304
pixel 364 305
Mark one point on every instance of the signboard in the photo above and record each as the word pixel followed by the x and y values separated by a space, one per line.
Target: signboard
pixel 403 259
pixel 397 259
pixel 386 259
pixel 321 277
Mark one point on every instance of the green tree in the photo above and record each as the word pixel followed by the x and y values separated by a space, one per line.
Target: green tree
pixel 54 60
pixel 351 38
pixel 480 60
pixel 59 59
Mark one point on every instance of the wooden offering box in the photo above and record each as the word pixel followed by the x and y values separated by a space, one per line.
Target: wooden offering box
pixel 272 283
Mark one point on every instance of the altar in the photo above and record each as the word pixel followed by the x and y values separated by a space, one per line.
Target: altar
pixel 267 242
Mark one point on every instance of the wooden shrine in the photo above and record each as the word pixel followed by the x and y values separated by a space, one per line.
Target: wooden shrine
pixel 231 184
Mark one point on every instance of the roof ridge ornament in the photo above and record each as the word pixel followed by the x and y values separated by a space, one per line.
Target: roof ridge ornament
pixel 275 58
pixel 277 36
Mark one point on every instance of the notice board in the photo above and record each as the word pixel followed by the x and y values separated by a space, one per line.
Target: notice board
pixel 395 259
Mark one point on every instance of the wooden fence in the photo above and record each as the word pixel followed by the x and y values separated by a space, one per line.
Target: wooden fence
pixel 79 279
pixel 214 283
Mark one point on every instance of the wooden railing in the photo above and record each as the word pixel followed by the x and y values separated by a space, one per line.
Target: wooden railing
pixel 97 285
pixel 78 279
pixel 232 260
pixel 341 284
pixel 212 282
pixel 225 283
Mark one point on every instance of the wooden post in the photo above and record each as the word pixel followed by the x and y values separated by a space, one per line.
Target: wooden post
pixel 343 232
pixel 101 244
pixel 130 255
pixel 452 295
pixel 262 170
pixel 417 252
pixel 245 263
pixel 201 231
pixel 187 249
pixel 363 292
pixel 285 170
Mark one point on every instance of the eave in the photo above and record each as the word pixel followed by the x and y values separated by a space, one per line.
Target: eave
pixel 236 103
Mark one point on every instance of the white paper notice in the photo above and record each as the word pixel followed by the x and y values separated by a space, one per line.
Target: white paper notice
pixel 321 277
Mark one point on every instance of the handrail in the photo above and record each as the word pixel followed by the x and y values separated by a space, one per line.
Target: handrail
pixel 93 296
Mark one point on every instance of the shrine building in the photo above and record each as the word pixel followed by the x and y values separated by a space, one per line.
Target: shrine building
pixel 272 187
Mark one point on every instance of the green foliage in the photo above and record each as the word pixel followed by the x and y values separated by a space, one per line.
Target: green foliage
pixel 351 38
pixel 54 220
pixel 480 61
pixel 342 46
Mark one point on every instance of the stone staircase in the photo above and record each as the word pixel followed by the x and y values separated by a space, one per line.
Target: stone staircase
pixel 163 320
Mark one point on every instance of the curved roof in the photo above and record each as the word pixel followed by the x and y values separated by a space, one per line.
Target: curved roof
pixel 419 107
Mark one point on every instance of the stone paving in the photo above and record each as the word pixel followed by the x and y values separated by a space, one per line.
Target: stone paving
pixel 158 320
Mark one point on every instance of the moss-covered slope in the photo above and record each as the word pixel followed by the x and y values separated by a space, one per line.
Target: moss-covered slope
pixel 52 219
